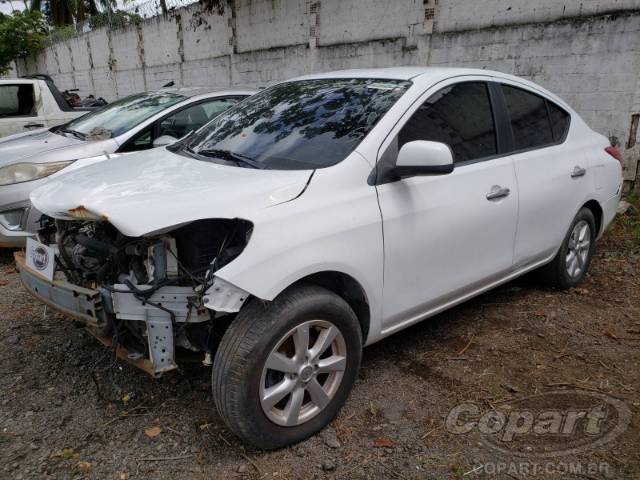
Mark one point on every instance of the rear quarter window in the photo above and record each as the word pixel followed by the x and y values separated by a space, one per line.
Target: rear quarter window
pixel 560 121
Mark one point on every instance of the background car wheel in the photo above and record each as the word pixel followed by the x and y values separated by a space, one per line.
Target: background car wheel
pixel 570 266
pixel 284 369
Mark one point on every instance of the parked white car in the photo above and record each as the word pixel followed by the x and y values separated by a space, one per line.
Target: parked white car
pixel 320 215
pixel 34 102
pixel 138 122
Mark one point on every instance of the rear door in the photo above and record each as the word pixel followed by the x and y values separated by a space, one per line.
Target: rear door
pixel 553 174
pixel 448 235
pixel 20 108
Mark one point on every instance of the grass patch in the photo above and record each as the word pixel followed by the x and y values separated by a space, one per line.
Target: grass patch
pixel 631 218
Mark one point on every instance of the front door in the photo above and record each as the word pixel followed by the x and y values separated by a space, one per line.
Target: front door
pixel 448 235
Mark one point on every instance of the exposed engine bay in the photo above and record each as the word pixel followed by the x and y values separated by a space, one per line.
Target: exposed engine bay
pixel 157 293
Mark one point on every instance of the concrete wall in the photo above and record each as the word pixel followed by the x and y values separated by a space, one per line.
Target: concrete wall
pixel 586 51
pixel 457 15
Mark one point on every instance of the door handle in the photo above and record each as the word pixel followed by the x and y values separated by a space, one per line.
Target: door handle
pixel 578 172
pixel 497 193
pixel 34 125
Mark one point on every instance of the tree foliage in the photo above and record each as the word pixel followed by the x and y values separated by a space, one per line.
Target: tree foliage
pixel 60 13
pixel 214 5
pixel 21 34
pixel 118 18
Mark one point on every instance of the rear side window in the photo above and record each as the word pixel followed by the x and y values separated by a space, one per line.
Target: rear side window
pixel 16 100
pixel 220 105
pixel 460 116
pixel 183 122
pixel 193 117
pixel 535 121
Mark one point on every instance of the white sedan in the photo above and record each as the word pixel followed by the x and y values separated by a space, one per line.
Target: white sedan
pixel 319 216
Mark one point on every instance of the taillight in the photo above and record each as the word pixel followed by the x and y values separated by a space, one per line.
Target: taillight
pixel 614 152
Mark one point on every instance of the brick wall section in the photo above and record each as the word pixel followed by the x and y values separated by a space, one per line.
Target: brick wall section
pixel 587 51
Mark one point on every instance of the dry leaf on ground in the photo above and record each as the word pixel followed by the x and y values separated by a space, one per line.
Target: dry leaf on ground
pixel 382 442
pixel 152 432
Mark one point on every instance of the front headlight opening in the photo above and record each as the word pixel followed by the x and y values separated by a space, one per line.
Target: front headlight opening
pixel 27 172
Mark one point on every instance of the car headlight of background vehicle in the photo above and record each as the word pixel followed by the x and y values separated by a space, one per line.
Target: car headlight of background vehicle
pixel 26 172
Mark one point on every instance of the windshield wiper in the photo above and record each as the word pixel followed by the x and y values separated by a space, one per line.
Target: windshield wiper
pixel 75 133
pixel 238 158
pixel 189 150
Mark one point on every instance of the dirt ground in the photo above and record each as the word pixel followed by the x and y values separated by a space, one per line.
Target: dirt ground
pixel 68 410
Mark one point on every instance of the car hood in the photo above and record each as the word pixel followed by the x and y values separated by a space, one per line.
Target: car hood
pixel 158 190
pixel 43 146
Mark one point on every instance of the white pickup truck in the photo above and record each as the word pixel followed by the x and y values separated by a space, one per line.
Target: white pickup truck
pixel 32 102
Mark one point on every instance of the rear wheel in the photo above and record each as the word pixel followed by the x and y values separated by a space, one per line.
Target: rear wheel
pixel 283 370
pixel 569 268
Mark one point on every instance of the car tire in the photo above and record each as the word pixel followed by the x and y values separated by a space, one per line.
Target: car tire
pixel 262 334
pixel 570 266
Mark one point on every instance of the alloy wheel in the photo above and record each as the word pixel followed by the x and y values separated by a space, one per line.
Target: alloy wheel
pixel 303 373
pixel 578 249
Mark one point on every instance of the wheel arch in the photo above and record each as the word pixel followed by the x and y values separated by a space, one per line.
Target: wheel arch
pixel 346 287
pixel 597 211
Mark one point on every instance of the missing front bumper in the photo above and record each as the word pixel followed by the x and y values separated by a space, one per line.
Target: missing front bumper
pixel 82 303
pixel 92 306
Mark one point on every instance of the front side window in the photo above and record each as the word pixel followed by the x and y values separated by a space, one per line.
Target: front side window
pixel 460 116
pixel 529 118
pixel 17 100
pixel 121 116
pixel 141 141
pixel 297 125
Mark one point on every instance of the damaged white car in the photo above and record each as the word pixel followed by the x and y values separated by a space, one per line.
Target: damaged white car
pixel 318 216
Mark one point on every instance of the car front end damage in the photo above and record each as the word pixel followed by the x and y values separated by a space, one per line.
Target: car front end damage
pixel 154 299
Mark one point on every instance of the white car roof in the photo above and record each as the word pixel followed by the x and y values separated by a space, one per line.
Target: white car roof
pixel 390 73
pixel 429 75
pixel 405 73
pixel 195 91
pixel 206 91
pixel 6 81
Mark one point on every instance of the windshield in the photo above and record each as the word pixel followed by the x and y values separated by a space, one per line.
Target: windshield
pixel 297 125
pixel 121 116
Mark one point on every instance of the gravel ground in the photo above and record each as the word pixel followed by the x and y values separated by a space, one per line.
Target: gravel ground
pixel 68 410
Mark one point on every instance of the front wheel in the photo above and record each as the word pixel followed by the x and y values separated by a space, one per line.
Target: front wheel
pixel 569 268
pixel 283 370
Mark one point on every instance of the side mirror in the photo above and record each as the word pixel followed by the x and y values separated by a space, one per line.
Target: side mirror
pixel 164 140
pixel 422 157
